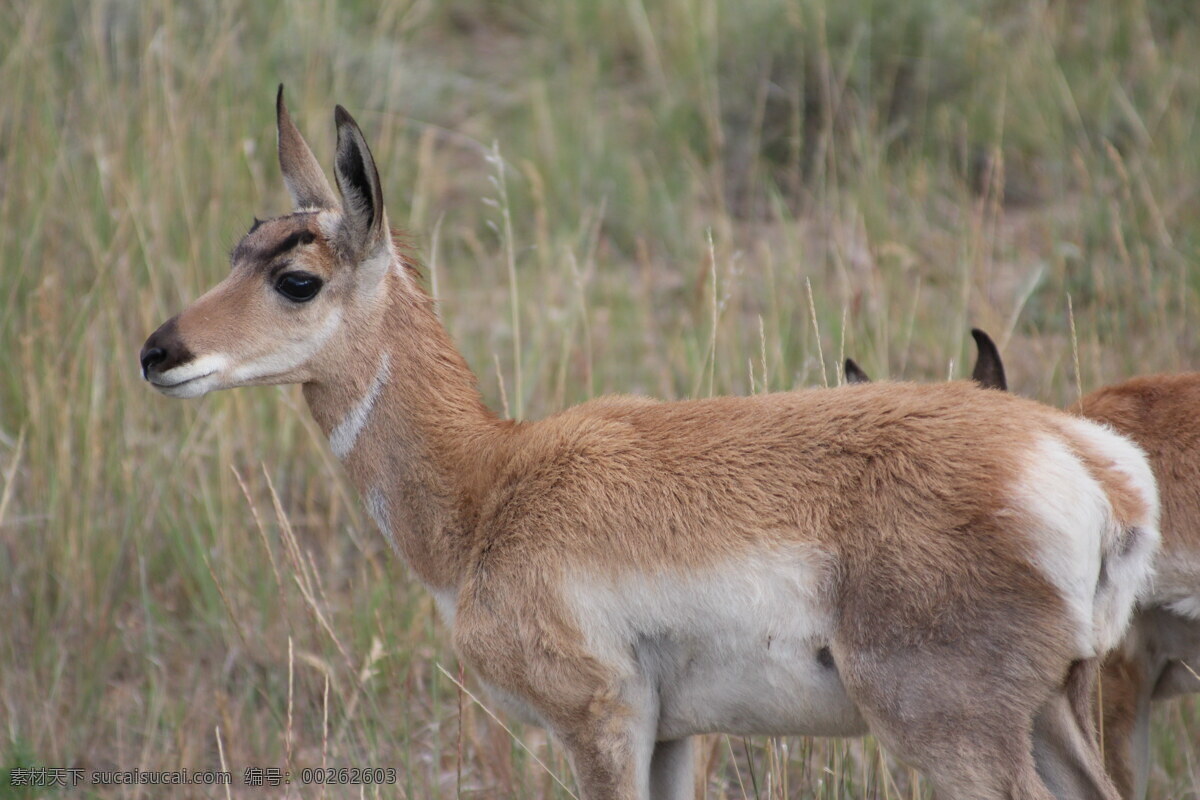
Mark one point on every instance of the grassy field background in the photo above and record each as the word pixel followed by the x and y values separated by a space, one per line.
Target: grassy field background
pixel 676 198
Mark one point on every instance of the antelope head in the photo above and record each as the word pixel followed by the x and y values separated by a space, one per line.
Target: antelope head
pixel 303 288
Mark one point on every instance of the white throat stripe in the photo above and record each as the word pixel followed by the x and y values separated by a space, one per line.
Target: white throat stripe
pixel 377 508
pixel 345 435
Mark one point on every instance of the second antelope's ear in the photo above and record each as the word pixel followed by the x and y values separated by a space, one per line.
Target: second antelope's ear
pixel 364 224
pixel 989 370
pixel 855 373
pixel 305 180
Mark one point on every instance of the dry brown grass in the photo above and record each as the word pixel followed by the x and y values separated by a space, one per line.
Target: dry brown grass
pixel 677 177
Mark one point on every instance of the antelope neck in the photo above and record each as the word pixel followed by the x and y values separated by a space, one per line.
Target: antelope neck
pixel 343 438
pixel 407 422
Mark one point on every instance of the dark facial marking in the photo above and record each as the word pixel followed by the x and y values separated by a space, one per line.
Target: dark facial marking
pixel 273 251
pixel 291 242
pixel 252 244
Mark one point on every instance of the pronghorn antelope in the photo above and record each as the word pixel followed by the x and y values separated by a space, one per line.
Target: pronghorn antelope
pixel 939 565
pixel 1159 657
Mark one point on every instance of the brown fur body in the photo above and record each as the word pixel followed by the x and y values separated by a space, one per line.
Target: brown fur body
pixel 629 573
pixel 1160 413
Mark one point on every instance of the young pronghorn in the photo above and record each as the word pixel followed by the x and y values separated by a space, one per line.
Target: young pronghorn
pixel 1160 655
pixel 940 565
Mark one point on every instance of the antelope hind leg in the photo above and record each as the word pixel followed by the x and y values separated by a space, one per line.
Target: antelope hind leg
pixel 673 770
pixel 1126 692
pixel 1065 745
pixel 969 731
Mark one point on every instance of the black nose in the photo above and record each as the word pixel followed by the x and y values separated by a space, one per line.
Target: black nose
pixel 151 357
pixel 164 350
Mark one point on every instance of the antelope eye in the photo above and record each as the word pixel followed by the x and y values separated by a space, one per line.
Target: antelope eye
pixel 299 287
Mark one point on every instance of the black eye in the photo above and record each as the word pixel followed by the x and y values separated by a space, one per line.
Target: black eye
pixel 299 287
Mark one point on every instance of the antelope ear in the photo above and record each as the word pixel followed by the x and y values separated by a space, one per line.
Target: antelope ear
pixel 855 373
pixel 305 180
pixel 364 224
pixel 989 370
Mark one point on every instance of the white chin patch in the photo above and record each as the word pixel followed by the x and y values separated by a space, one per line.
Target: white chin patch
pixel 196 377
pixel 189 389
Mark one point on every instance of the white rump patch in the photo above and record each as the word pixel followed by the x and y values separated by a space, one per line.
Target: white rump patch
pixel 735 648
pixel 1071 513
pixel 1098 564
pixel 1130 549
pixel 1126 458
pixel 345 435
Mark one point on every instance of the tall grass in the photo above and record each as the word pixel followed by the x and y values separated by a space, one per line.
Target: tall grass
pixel 677 177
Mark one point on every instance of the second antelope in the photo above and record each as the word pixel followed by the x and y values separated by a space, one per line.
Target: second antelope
pixel 938 565
pixel 1160 655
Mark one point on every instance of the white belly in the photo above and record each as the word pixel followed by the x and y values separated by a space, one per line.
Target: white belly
pixel 740 649
pixel 785 688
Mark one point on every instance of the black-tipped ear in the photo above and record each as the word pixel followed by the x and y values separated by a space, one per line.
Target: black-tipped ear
pixel 365 225
pixel 855 373
pixel 989 370
pixel 305 180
